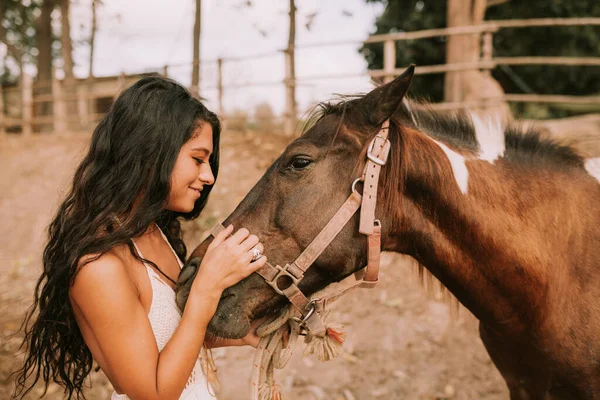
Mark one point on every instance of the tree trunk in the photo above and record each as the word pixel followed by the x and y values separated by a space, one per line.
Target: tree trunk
pixel 69 82
pixel 474 84
pixel 290 75
pixel 67 47
pixel 44 43
pixel 92 39
pixel 458 48
pixel 196 66
pixel 44 61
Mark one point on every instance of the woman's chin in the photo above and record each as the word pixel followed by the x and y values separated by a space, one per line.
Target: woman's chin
pixel 182 208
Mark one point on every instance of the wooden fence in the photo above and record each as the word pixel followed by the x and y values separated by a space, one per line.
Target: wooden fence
pixel 77 106
pixel 487 61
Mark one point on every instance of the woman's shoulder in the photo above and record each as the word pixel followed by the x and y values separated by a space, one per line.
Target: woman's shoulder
pixel 109 270
pixel 114 258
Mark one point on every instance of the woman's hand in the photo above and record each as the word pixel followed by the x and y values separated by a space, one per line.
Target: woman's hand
pixel 227 261
pixel 251 339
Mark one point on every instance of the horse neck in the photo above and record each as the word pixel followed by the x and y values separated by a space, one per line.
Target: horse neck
pixel 486 244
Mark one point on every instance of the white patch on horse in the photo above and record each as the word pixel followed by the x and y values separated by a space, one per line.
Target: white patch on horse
pixel 592 166
pixel 459 166
pixel 490 136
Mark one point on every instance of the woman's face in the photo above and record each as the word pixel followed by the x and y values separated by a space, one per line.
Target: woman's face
pixel 192 170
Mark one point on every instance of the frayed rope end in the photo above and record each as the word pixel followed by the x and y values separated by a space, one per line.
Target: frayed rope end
pixel 328 347
pixel 269 392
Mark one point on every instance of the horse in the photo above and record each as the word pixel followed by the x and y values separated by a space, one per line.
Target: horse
pixel 507 220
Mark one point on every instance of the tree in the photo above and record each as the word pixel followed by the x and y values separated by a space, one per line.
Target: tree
pixel 67 56
pixel 66 44
pixel 17 33
pixel 412 15
pixel 44 39
pixel 461 48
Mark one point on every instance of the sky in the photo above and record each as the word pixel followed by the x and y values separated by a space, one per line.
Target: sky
pixel 144 35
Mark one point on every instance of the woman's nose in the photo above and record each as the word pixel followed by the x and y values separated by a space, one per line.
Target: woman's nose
pixel 206 176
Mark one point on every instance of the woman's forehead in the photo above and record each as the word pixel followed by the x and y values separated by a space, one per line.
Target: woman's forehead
pixel 201 138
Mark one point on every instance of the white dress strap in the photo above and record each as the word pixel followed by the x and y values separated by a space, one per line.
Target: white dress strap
pixel 151 272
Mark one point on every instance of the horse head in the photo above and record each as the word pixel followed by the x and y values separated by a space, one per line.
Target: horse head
pixel 296 197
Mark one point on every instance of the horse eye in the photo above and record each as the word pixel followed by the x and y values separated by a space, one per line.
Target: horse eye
pixel 300 163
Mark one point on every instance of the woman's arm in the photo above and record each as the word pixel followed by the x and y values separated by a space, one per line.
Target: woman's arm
pixel 108 300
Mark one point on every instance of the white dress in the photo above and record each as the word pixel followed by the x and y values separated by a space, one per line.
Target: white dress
pixel 164 316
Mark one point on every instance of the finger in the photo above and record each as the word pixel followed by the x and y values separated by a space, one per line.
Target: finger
pixel 258 322
pixel 250 242
pixel 239 236
pixel 258 264
pixel 251 267
pixel 221 236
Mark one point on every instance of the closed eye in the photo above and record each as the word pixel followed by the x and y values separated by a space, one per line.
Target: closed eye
pixel 198 160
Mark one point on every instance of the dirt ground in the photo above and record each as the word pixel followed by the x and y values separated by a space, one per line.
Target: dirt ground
pixel 403 342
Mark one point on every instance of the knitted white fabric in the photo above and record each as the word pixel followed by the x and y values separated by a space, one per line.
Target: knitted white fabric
pixel 164 316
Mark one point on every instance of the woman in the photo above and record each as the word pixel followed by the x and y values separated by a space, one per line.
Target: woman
pixel 115 251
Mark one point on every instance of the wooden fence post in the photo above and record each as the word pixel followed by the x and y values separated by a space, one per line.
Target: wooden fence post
pixel 220 84
pixel 27 100
pixel 59 110
pixel 82 103
pixel 2 122
pixel 290 75
pixel 389 60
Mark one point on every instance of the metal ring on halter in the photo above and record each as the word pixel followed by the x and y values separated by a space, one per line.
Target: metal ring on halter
pixel 256 253
pixel 354 184
pixel 308 314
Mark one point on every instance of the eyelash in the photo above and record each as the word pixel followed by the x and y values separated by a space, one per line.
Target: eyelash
pixel 198 160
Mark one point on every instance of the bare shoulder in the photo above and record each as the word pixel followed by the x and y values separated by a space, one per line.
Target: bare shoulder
pixel 102 274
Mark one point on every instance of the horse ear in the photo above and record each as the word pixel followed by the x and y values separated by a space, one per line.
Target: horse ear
pixel 385 100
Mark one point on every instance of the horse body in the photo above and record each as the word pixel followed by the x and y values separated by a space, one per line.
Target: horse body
pixel 509 223
pixel 519 252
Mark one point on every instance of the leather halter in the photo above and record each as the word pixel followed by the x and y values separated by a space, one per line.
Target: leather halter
pixel 284 280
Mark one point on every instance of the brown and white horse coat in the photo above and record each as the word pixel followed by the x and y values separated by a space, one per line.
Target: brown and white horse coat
pixel 508 221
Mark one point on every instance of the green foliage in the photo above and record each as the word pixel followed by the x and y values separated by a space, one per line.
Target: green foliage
pixel 20 19
pixel 19 29
pixel 413 15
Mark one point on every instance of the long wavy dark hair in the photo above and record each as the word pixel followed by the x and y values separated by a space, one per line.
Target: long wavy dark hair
pixel 126 172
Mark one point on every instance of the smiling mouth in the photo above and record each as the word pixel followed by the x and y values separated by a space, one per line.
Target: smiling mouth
pixel 197 190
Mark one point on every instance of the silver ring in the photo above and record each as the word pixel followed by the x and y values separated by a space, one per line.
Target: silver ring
pixel 256 253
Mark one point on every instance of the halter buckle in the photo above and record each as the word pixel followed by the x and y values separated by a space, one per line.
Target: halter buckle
pixel 385 148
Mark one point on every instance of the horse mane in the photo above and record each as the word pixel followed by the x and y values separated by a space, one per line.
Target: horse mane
pixel 455 128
